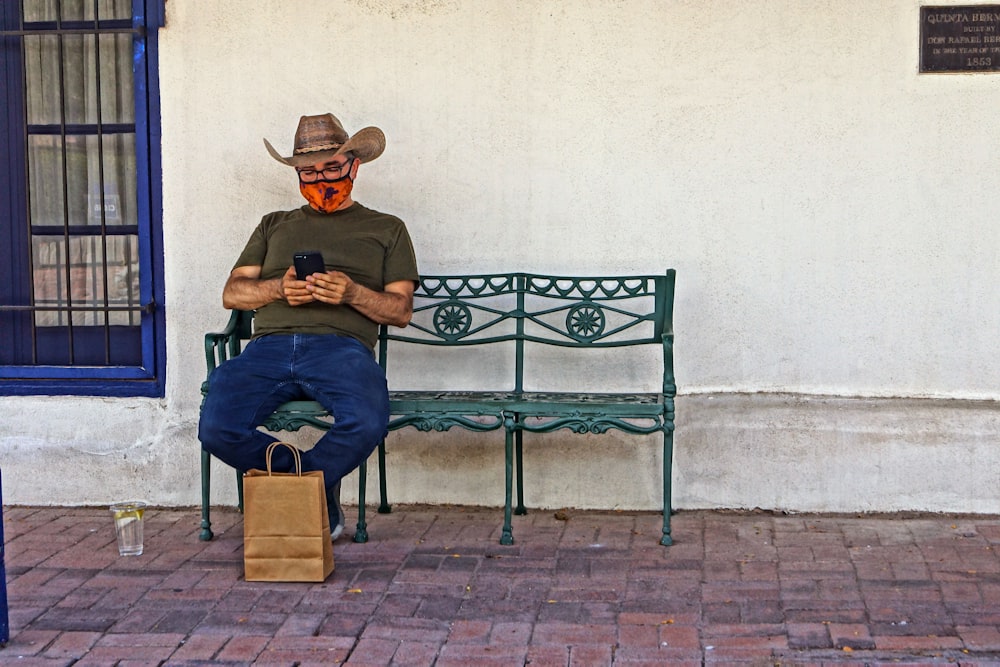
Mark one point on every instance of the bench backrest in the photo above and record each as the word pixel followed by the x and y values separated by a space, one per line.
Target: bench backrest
pixel 578 312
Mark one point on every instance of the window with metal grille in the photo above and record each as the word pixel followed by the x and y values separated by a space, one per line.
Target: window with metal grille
pixel 81 277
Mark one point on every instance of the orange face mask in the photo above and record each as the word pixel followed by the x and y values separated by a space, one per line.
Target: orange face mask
pixel 327 196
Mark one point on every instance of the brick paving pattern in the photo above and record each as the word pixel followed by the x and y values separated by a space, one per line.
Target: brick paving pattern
pixel 433 587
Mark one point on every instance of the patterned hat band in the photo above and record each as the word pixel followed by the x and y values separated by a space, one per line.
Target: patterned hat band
pixel 313 149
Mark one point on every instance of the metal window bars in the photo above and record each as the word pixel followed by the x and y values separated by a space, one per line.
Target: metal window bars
pixel 80 231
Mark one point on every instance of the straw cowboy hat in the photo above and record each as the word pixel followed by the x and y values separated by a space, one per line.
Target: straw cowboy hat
pixel 319 138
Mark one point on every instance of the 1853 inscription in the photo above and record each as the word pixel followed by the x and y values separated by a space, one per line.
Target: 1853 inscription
pixel 960 38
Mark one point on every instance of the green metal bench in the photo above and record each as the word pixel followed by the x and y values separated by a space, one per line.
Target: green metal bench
pixel 519 310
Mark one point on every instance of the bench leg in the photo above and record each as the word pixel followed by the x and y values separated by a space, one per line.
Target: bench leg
pixel 239 489
pixel 668 456
pixel 206 496
pixel 384 507
pixel 507 536
pixel 361 530
pixel 519 460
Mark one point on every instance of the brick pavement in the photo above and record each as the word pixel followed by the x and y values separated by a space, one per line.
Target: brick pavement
pixel 433 587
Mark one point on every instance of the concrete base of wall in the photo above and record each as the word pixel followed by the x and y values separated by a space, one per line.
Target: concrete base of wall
pixel 837 454
pixel 783 452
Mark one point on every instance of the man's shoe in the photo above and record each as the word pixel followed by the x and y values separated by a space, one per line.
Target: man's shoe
pixel 335 512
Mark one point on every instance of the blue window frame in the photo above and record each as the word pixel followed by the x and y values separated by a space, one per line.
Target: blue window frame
pixel 81 258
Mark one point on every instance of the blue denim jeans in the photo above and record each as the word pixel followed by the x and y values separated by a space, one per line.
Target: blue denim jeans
pixel 338 371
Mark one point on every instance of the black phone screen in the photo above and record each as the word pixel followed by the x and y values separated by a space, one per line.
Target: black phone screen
pixel 308 262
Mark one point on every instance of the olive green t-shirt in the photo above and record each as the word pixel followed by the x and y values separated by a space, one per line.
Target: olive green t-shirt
pixel 373 248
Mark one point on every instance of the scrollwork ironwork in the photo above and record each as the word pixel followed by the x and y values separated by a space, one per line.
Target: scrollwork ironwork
pixel 444 422
pixel 293 421
pixel 587 288
pixel 587 424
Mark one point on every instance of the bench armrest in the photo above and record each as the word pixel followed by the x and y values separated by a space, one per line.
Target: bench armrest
pixel 222 345
pixel 669 383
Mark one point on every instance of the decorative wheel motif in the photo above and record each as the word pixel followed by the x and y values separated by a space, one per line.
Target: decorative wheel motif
pixel 585 321
pixel 452 320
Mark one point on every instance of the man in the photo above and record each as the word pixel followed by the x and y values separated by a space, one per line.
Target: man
pixel 314 338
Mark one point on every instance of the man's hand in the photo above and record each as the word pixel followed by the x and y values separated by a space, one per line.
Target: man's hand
pixel 333 287
pixel 297 292
pixel 393 306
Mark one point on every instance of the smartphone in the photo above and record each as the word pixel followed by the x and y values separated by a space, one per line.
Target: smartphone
pixel 309 262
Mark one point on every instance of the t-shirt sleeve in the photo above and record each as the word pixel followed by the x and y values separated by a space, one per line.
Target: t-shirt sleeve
pixel 256 249
pixel 400 260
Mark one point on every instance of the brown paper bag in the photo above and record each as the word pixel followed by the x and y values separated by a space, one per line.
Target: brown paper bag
pixel 286 527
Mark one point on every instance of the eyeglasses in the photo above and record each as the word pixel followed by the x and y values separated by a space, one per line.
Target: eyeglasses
pixel 328 174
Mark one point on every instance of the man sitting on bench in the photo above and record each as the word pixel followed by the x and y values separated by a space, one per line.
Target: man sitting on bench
pixel 314 333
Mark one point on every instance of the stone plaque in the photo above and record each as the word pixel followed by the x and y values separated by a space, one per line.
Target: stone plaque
pixel 960 38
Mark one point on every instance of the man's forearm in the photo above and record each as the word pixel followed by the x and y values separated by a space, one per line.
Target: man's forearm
pixel 381 307
pixel 245 293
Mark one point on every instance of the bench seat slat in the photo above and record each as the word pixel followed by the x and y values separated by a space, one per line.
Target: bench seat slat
pixel 492 402
pixel 538 403
pixel 535 401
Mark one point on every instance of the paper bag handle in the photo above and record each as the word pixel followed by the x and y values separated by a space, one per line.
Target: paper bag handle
pixel 295 455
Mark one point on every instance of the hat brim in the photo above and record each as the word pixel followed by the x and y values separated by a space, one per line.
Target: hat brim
pixel 367 144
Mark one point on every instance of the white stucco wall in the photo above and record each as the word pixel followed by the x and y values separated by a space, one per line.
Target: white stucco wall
pixel 829 210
